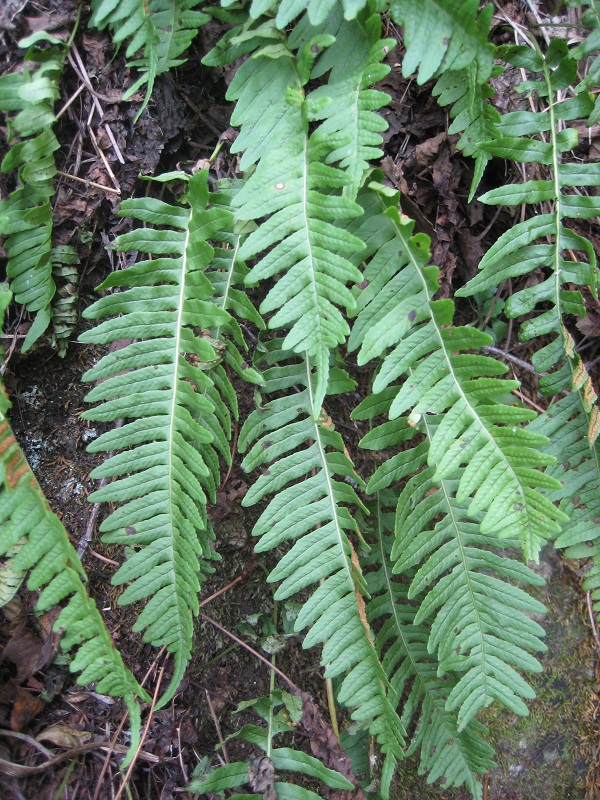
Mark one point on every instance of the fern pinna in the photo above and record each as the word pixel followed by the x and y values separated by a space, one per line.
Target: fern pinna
pixel 26 216
pixel 36 544
pixel 172 390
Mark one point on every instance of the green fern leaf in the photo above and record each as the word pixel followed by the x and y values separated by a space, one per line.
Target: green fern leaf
pixel 399 322
pixel 524 248
pixel 465 587
pixel 587 48
pixel 473 116
pixel 300 196
pixel 317 11
pixel 456 757
pixel 350 122
pixel 64 313
pixel 161 30
pixel 26 217
pixel 442 35
pixel 36 542
pixel 312 507
pixel 168 386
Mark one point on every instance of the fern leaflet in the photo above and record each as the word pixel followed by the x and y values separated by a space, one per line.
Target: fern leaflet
pixel 274 760
pixel 478 431
pixel 456 579
pixel 442 35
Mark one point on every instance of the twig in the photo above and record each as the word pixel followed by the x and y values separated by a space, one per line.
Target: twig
pixel 89 528
pixel 217 726
pixel 496 351
pixel 86 79
pixel 71 99
pixel 245 572
pixel 100 152
pixel 590 607
pixel 145 732
pixel 233 449
pixel 121 726
pixel 529 402
pixel 88 183
pixel 250 650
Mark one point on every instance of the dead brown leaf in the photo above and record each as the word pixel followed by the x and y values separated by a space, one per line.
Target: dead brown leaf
pixel 426 152
pixel 63 736
pixel 261 777
pixel 25 708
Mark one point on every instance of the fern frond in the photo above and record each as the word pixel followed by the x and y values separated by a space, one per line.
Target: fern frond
pixel 300 197
pixel 456 757
pixel 275 760
pixel 350 122
pixel 442 35
pixel 26 217
pixel 399 322
pixel 312 479
pixel 169 386
pixel 460 581
pixel 36 542
pixel 590 46
pixel 317 11
pixel 160 30
pixel 525 248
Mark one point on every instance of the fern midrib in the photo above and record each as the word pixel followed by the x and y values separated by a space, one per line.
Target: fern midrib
pixel 557 192
pixel 330 492
pixel 177 348
pixel 521 494
pixel 313 277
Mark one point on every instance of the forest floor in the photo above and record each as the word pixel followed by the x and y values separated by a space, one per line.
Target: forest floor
pixel 44 716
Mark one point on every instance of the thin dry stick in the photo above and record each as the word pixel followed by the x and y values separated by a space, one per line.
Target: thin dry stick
pixel 233 449
pixel 88 183
pixel 496 351
pixel 181 764
pixel 71 99
pixel 100 152
pixel 217 726
pixel 590 607
pixel 223 590
pixel 529 402
pixel 121 725
pixel 145 733
pixel 250 650
pixel 86 79
pixel 89 528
